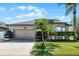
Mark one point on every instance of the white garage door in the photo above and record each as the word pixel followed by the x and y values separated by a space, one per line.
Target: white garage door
pixel 24 34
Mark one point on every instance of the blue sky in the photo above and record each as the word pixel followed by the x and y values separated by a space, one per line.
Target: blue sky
pixel 20 12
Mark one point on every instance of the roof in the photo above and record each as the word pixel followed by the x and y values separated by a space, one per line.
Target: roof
pixel 3 25
pixel 51 21
pixel 24 23
pixel 58 22
pixel 63 23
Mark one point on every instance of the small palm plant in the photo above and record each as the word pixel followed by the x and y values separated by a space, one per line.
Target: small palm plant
pixel 50 30
pixel 43 26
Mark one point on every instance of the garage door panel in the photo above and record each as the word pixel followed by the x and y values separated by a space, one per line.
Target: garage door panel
pixel 24 34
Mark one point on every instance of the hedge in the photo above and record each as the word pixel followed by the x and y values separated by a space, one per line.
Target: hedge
pixel 60 33
pixel 8 34
pixel 70 33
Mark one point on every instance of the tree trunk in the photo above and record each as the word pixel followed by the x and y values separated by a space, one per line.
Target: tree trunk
pixel 74 20
pixel 48 35
pixel 43 43
pixel 43 37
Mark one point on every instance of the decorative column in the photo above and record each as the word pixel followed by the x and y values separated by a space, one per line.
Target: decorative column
pixel 66 28
pixel 61 28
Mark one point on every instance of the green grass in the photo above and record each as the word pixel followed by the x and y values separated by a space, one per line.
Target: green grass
pixel 57 49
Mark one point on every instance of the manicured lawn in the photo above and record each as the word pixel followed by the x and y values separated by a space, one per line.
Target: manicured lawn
pixel 56 48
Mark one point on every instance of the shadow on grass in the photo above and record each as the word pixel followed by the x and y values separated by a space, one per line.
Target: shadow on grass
pixel 47 49
pixel 59 41
pixel 76 47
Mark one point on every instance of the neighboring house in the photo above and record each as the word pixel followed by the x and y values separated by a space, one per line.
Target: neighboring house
pixel 25 30
pixel 3 29
pixel 3 26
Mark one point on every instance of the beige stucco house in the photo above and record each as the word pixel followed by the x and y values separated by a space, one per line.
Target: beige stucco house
pixel 25 30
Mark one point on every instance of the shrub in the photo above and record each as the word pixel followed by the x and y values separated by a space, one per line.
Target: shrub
pixel 47 49
pixel 39 35
pixel 77 34
pixel 8 34
pixel 67 35
pixel 60 33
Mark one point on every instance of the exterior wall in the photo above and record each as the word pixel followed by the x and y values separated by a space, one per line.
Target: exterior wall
pixel 22 30
pixel 20 27
pixel 62 26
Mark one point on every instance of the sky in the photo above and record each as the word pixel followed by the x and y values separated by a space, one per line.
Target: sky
pixel 20 12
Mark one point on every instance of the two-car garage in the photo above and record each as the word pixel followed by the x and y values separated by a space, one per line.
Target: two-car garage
pixel 24 34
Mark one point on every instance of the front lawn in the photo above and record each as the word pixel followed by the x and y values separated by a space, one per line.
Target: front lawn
pixel 57 49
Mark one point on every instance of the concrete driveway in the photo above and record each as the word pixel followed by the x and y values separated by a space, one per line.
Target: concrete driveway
pixel 16 49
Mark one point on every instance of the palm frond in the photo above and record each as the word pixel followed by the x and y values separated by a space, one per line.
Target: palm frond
pixel 69 8
pixel 68 5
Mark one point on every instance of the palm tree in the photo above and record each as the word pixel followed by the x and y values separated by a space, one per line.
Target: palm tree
pixel 50 30
pixel 77 22
pixel 43 26
pixel 71 7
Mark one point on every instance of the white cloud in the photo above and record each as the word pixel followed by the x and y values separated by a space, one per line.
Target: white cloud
pixel 11 9
pixel 64 18
pixel 28 8
pixel 30 14
pixel 25 15
pixel 8 18
pixel 21 7
pixel 2 9
pixel 34 12
pixel 18 8
pixel 19 16
pixel 31 7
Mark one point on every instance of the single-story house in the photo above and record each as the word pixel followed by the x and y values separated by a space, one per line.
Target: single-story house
pixel 3 26
pixel 25 30
pixel 3 29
